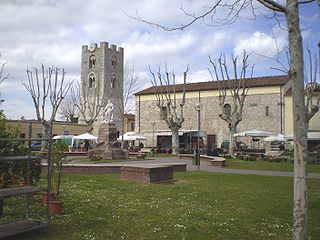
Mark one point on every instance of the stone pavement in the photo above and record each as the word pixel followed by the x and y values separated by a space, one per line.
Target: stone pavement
pixel 204 166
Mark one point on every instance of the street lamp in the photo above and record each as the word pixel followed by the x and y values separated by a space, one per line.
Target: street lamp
pixel 198 109
pixel 153 124
pixel 190 139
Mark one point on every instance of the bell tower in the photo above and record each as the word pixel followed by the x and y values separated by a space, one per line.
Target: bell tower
pixel 102 80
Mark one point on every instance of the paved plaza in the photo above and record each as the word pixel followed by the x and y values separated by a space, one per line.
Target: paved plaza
pixel 204 166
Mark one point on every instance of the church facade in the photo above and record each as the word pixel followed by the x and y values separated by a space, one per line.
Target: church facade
pixel 268 107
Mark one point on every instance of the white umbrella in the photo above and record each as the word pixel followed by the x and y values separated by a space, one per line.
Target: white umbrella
pixel 279 138
pixel 131 136
pixel 253 133
pixel 86 136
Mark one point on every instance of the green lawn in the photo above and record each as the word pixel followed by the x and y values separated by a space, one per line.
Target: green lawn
pixel 268 166
pixel 199 205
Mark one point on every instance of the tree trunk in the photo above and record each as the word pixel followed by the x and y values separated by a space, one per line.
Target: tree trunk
pixel 232 143
pixel 300 199
pixel 45 133
pixel 175 141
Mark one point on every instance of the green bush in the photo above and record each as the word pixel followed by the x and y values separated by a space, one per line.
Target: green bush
pixel 59 150
pixel 314 155
pixel 14 169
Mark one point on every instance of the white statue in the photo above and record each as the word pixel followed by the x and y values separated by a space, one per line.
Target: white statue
pixel 108 112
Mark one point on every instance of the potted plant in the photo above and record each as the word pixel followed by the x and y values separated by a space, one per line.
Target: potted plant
pixel 59 150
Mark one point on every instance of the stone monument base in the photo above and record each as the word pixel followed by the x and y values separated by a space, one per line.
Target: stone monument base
pixel 107 145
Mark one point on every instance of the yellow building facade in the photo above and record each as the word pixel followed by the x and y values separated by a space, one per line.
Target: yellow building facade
pixel 268 107
pixel 58 128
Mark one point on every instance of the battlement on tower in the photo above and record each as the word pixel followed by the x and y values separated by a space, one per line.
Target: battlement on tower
pixel 103 45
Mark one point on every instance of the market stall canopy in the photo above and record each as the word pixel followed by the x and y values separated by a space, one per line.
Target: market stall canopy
pixel 131 136
pixel 86 136
pixel 311 136
pixel 273 138
pixel 253 133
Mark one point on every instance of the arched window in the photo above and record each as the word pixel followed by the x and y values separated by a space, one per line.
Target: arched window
pixel 92 62
pixel 227 109
pixel 267 111
pixel 113 61
pixel 92 80
pixel 113 82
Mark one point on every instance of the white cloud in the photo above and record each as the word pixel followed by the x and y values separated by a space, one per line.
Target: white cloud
pixel 259 43
pixel 214 43
pixel 53 31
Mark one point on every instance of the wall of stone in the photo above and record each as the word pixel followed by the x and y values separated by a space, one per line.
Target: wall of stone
pixel 254 115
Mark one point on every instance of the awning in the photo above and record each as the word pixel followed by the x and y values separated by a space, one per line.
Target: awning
pixel 279 138
pixel 311 136
pixel 253 133
pixel 86 136
pixel 131 136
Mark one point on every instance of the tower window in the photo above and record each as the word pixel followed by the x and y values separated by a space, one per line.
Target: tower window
pixel 92 62
pixel 267 111
pixel 92 81
pixel 113 62
pixel 113 82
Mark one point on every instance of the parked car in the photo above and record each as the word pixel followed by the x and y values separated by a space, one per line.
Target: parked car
pixel 36 146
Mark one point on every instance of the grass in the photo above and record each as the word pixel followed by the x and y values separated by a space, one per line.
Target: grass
pixel 199 205
pixel 268 166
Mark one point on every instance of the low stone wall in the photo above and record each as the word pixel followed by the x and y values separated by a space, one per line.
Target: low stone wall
pixel 109 169
pixel 147 173
pixel 79 169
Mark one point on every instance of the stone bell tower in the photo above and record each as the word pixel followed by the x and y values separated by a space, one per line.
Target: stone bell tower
pixel 102 79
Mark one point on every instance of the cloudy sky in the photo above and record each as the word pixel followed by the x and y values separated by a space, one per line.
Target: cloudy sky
pixel 52 32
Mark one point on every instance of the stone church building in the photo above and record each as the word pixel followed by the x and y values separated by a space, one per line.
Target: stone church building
pixel 268 107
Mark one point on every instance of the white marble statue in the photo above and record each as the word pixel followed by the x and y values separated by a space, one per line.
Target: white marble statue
pixel 108 112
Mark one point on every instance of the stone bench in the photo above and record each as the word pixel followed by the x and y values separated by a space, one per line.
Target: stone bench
pixel 138 155
pixel 185 155
pixel 147 173
pixel 215 161
pixel 146 150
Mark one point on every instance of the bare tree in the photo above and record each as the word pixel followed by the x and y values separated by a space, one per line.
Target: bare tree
pixel 47 89
pixel 89 102
pixel 231 113
pixel 290 10
pixel 132 84
pixel 125 93
pixel 68 109
pixel 3 76
pixel 170 110
pixel 312 86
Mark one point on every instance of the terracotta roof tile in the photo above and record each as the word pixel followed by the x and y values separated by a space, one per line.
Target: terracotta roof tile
pixel 212 85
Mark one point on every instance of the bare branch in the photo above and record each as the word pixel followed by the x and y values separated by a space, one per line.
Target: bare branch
pixel 166 97
pixel 305 2
pixel 273 5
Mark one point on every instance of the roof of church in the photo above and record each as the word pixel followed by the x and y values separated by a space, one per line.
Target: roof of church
pixel 279 80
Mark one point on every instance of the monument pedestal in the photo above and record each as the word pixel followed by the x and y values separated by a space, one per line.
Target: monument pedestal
pixel 107 146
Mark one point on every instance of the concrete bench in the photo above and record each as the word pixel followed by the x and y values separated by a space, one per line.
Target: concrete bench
pixel 138 155
pixel 215 161
pixel 185 155
pixel 146 150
